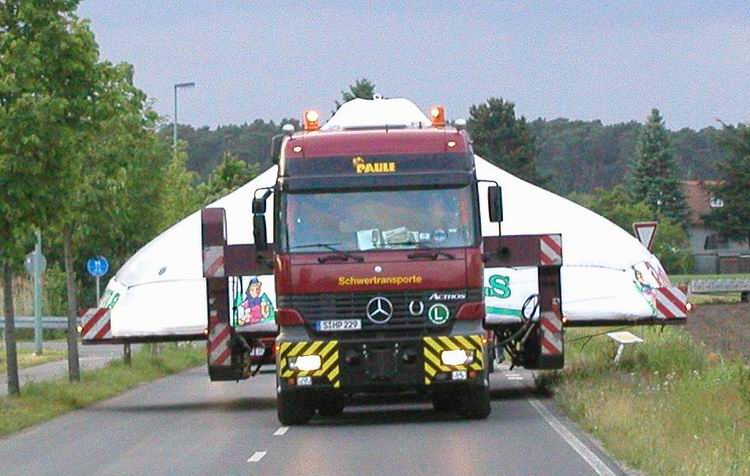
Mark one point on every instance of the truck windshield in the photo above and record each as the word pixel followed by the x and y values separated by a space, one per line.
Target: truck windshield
pixel 362 221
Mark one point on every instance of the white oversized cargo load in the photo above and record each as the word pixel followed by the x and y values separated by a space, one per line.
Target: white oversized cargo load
pixel 607 275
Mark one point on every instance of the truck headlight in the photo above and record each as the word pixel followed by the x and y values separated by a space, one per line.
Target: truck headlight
pixel 305 363
pixel 457 357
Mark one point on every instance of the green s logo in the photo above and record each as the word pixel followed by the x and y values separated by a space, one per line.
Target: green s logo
pixel 499 287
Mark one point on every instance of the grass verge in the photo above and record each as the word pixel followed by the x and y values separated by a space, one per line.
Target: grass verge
pixel 42 401
pixel 667 408
pixel 27 358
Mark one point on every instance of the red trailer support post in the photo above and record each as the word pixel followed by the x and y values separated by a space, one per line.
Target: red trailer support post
pixel 545 348
pixel 228 356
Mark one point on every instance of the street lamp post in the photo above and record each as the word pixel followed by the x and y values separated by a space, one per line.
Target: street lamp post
pixel 174 122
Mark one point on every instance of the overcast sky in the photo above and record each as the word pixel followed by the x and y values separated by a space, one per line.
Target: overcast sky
pixel 579 60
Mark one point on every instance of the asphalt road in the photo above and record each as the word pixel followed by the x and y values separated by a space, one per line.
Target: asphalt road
pixel 185 424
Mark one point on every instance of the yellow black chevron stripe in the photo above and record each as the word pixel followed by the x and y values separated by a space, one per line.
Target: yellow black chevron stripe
pixel 329 356
pixel 434 346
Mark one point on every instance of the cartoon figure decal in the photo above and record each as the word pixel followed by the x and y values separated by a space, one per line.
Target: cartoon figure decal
pixel 252 306
pixel 649 276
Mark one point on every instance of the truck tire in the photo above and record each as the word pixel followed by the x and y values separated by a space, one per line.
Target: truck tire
pixel 331 405
pixel 294 408
pixel 445 402
pixel 476 403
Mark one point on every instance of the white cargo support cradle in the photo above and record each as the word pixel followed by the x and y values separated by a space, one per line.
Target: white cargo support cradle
pixel 622 339
pixel 606 272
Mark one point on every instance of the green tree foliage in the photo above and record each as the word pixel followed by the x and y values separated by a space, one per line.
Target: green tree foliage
pixel 362 88
pixel 250 143
pixel 231 174
pixel 41 45
pixel 584 155
pixel 50 79
pixel 504 139
pixel 654 178
pixel 80 156
pixel 733 219
pixel 671 243
pixel 178 198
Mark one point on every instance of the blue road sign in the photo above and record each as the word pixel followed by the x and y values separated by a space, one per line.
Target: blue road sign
pixel 97 266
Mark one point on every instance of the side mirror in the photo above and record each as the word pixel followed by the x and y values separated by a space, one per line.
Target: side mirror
pixel 276 143
pixel 259 232
pixel 259 205
pixel 495 203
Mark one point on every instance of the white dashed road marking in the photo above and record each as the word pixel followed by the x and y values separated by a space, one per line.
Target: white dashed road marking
pixel 257 456
pixel 281 431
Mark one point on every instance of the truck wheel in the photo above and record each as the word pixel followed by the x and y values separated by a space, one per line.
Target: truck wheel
pixel 476 403
pixel 331 405
pixel 294 408
pixel 444 402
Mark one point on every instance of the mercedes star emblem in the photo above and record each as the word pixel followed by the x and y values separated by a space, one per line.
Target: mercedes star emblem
pixel 379 310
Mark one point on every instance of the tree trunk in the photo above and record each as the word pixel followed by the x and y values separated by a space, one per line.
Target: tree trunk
pixel 10 331
pixel 74 371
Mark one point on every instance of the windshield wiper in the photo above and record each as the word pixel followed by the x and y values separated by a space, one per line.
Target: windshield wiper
pixel 338 256
pixel 328 246
pixel 431 254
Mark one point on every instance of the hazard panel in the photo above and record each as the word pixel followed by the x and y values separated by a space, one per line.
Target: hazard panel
pixel 436 371
pixel 670 303
pixel 219 351
pixel 551 334
pixel 96 326
pixel 328 373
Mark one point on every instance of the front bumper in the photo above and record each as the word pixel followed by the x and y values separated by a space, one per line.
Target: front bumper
pixel 381 365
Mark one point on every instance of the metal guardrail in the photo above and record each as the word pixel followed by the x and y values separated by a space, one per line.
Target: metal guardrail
pixel 710 286
pixel 48 322
pixel 704 286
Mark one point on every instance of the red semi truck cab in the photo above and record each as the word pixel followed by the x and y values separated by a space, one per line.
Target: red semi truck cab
pixel 378 261
pixel 378 269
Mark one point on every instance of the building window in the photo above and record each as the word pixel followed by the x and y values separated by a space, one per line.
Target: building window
pixel 716 202
pixel 714 242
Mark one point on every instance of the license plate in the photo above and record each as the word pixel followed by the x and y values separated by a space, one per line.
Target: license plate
pixel 258 352
pixel 338 325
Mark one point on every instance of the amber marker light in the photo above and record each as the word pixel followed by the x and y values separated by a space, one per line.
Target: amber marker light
pixel 437 116
pixel 311 120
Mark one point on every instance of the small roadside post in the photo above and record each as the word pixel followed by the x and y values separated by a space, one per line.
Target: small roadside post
pixel 622 339
pixel 36 264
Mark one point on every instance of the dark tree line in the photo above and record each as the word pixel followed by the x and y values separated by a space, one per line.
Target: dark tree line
pixel 570 155
pixel 584 155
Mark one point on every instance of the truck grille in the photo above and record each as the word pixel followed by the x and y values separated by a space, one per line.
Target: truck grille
pixel 339 306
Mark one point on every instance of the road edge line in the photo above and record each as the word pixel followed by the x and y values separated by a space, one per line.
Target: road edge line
pixel 583 451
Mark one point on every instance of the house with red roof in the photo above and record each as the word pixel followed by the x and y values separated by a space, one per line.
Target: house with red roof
pixel 712 252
